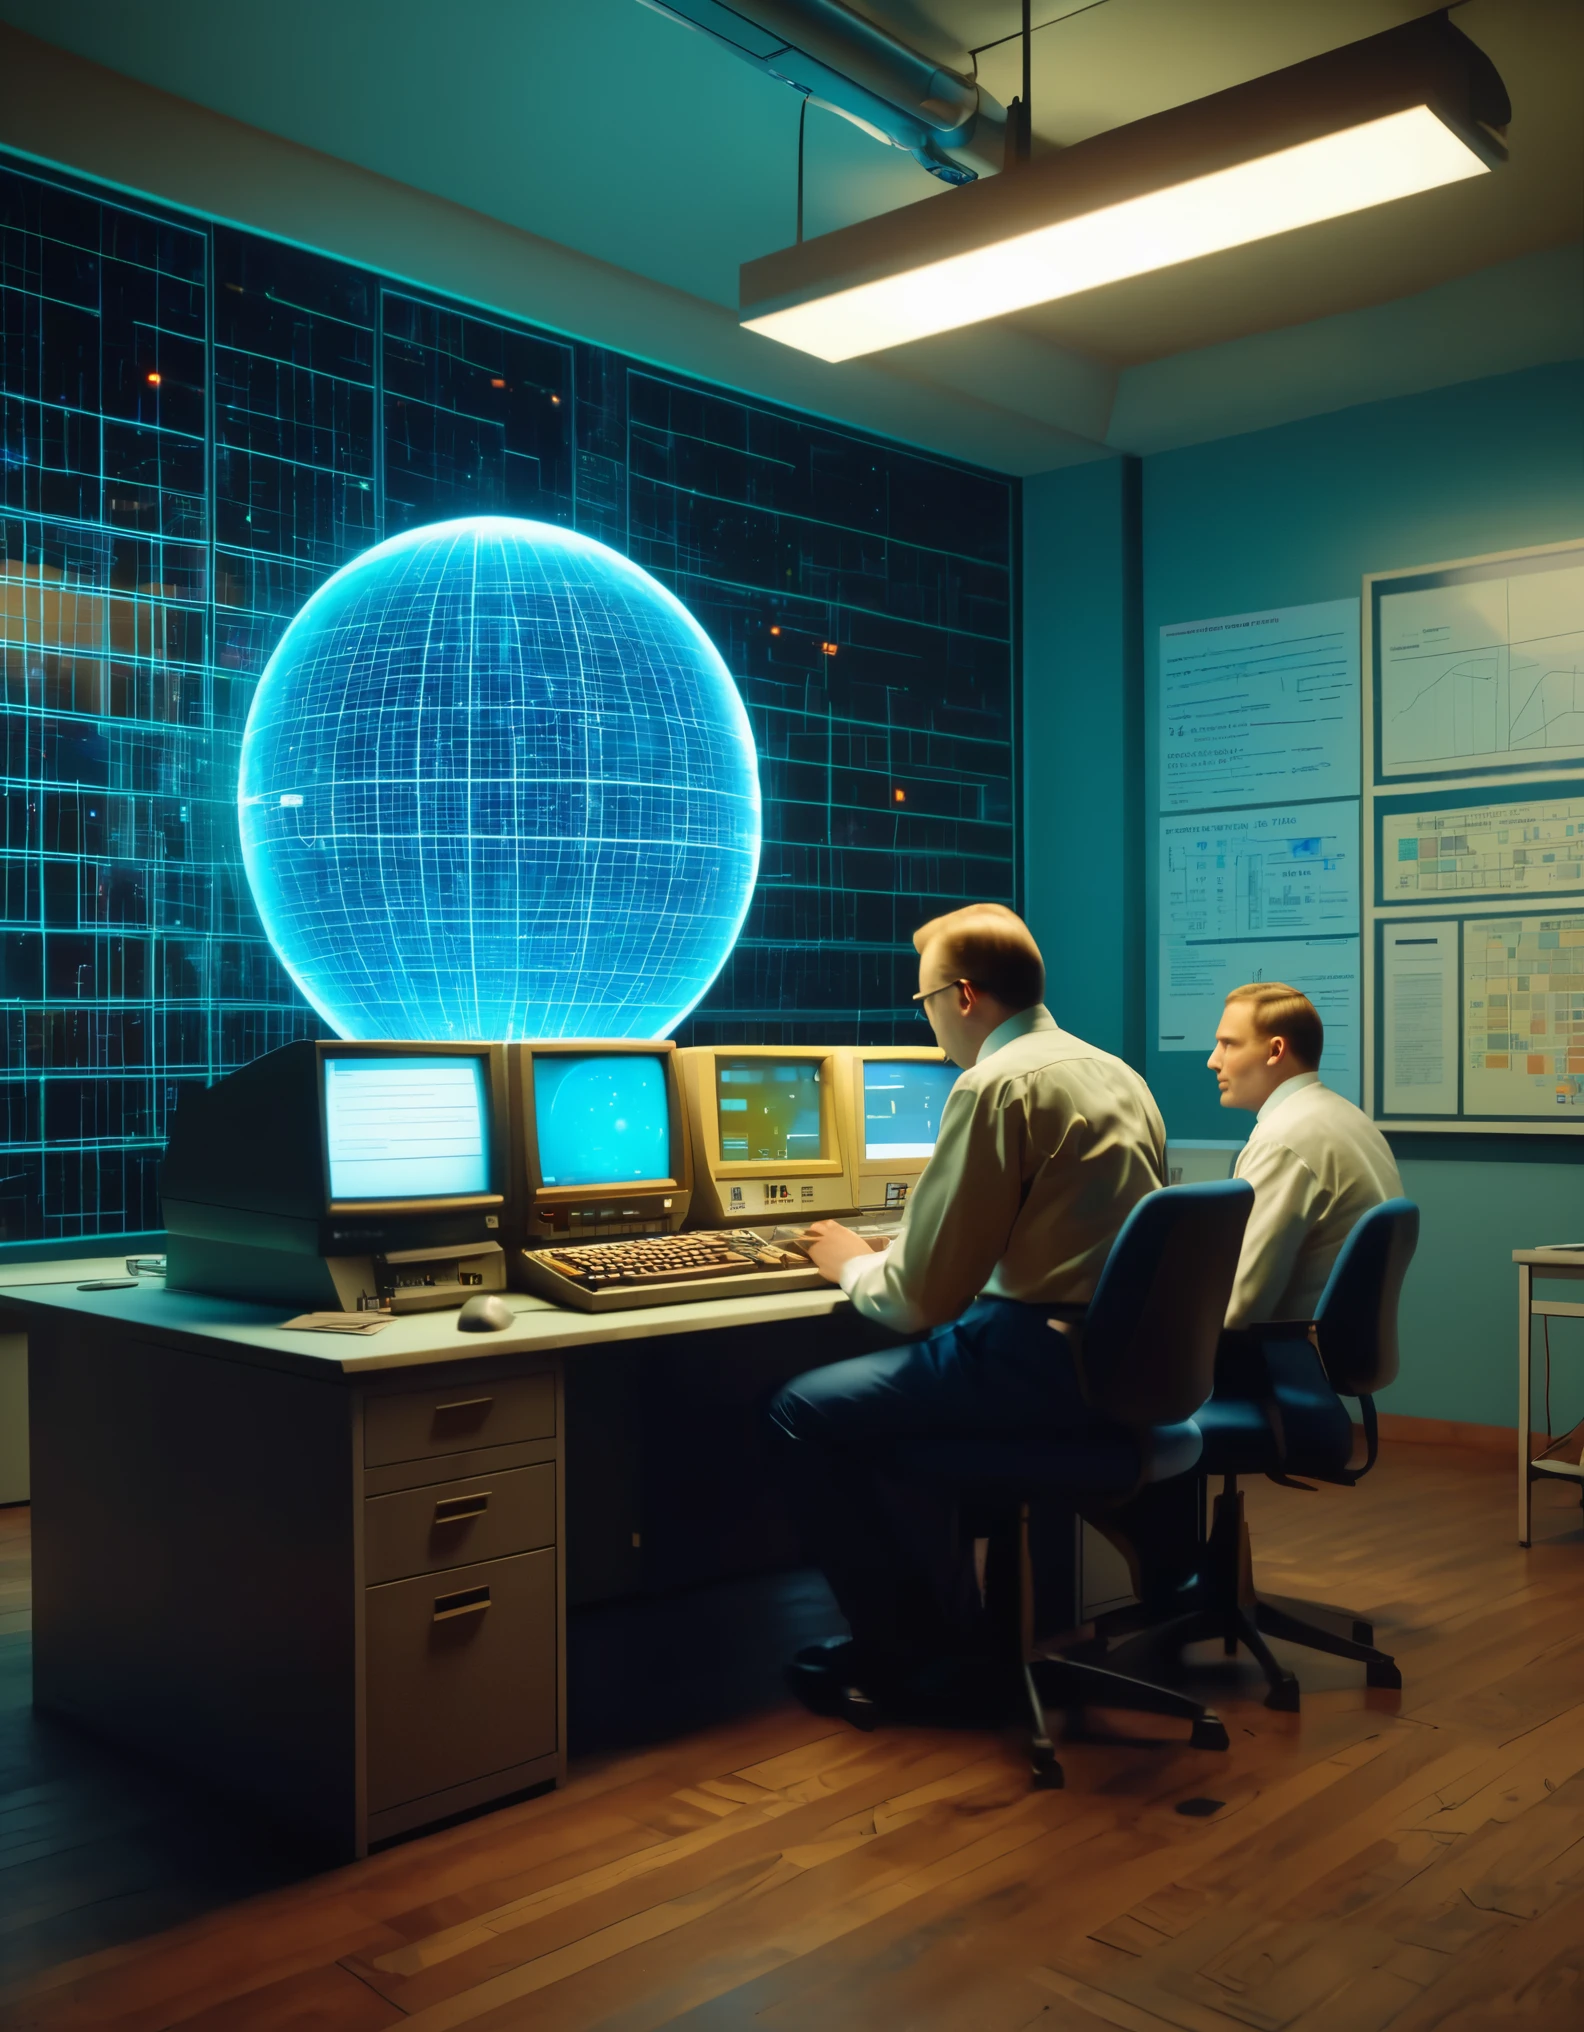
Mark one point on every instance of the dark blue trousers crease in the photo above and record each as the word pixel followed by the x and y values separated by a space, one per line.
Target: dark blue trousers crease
pixel 890 1546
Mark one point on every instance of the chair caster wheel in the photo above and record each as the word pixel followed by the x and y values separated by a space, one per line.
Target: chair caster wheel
pixel 1284 1696
pixel 1363 1633
pixel 1385 1674
pixel 1045 1774
pixel 1209 1733
pixel 855 1707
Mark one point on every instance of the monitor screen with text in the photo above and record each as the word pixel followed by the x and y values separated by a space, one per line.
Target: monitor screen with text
pixel 406 1128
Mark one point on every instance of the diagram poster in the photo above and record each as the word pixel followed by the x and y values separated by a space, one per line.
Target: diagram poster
pixel 1258 708
pixel 1197 975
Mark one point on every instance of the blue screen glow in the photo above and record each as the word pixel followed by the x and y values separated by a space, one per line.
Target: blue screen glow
pixel 903 1099
pixel 405 1128
pixel 601 1120
pixel 496 782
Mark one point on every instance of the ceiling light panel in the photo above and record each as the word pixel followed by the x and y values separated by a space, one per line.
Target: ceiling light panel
pixel 1388 118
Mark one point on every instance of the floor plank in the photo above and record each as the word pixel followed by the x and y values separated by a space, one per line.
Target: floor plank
pixel 1413 1861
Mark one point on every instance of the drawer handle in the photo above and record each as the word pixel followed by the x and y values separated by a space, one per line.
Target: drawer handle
pixel 469 1602
pixel 464 1404
pixel 458 1509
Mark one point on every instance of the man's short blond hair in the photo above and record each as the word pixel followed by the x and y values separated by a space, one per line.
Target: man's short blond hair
pixel 1280 1011
pixel 991 946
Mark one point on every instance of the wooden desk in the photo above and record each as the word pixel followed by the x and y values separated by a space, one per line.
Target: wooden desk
pixel 1566 1266
pixel 323 1572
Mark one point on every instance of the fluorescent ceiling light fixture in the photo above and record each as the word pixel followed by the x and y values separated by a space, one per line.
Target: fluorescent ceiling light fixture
pixel 1383 119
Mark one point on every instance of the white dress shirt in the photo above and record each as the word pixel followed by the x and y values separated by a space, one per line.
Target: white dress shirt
pixel 1046 1145
pixel 1316 1163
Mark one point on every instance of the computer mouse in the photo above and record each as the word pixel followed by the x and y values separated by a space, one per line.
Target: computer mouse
pixel 487 1313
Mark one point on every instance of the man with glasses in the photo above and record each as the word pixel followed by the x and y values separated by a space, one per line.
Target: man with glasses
pixel 1046 1144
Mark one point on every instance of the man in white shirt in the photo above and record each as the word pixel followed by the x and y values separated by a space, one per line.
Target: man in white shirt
pixel 1315 1161
pixel 1046 1144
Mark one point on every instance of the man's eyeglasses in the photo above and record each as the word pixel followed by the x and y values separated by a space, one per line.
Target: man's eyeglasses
pixel 923 996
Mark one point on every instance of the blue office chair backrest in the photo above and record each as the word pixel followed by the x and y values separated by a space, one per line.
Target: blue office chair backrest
pixel 1148 1347
pixel 1356 1319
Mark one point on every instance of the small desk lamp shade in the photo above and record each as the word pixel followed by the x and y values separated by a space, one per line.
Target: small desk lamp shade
pixel 497 783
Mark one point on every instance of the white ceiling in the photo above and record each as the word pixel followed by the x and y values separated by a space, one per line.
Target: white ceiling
pixel 608 131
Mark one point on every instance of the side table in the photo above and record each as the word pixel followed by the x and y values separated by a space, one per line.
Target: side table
pixel 1562 1264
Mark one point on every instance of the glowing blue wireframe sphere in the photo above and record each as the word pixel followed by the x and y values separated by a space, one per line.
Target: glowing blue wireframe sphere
pixel 496 782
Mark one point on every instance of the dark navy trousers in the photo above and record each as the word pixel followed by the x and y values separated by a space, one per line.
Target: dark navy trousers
pixel 889 1546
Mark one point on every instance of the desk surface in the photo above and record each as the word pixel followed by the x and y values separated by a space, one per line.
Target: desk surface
pixel 253 1333
pixel 1552 1256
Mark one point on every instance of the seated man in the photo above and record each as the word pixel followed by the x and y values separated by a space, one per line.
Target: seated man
pixel 1046 1144
pixel 1316 1163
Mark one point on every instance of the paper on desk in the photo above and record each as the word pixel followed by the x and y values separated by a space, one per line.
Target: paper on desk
pixel 336 1322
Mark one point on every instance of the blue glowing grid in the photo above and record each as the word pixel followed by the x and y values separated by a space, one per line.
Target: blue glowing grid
pixel 601 1121
pixel 497 783
pixel 159 534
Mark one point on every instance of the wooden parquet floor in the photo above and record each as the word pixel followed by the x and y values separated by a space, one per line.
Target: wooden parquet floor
pixel 1411 1861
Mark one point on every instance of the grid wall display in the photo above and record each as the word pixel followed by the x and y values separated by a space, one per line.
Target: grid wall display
pixel 200 425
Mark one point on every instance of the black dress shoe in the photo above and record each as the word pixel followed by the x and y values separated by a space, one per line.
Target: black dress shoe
pixel 826 1689
pixel 830 1654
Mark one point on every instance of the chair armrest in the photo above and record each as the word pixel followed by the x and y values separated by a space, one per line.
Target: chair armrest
pixel 1270 1330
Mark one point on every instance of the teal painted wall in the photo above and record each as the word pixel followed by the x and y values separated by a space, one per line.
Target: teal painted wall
pixel 1083 717
pixel 1271 519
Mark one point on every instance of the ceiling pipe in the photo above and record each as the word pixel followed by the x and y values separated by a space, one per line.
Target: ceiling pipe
pixel 849 65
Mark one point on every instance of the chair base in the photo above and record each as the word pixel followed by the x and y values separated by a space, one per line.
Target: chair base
pixel 1222 1604
pixel 1073 1684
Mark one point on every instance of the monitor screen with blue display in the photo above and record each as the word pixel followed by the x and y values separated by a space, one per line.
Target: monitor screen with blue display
pixel 406 1128
pixel 903 1099
pixel 603 1119
pixel 769 1110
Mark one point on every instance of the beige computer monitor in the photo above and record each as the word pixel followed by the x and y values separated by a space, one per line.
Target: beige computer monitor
pixel 889 1115
pixel 765 1122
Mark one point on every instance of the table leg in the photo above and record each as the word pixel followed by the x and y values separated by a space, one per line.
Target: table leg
pixel 1525 1490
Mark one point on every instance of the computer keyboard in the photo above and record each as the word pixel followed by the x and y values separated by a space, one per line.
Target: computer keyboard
pixel 665 1270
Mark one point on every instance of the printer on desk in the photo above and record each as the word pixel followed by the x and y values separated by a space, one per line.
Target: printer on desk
pixel 334 1175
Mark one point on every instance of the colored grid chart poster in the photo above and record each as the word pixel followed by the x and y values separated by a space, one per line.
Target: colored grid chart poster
pixel 1460 844
pixel 1523 1018
pixel 1260 707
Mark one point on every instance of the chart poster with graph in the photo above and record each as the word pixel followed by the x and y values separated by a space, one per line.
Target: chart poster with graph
pixel 1474 843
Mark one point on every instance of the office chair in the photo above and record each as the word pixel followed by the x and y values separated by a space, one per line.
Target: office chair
pixel 1145 1352
pixel 1277 1411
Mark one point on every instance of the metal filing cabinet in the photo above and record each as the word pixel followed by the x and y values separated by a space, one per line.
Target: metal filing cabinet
pixel 461 1585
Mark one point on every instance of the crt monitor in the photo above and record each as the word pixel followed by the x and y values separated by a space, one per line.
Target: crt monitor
pixel 601 1140
pixel 892 1097
pixel 334 1172
pixel 767 1137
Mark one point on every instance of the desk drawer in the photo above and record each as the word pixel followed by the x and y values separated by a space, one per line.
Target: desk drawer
pixel 454 1417
pixel 461 1676
pixel 454 1523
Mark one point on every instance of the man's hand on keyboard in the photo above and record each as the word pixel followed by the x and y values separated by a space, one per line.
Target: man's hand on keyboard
pixel 828 1245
